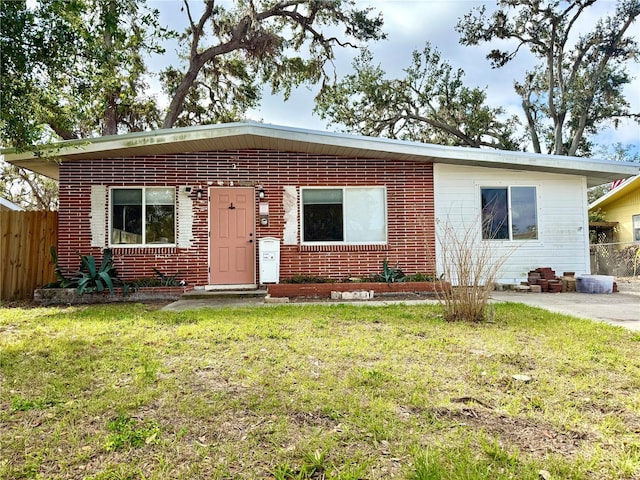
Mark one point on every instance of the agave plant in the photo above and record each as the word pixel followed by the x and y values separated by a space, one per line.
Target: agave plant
pixel 94 279
pixel 391 274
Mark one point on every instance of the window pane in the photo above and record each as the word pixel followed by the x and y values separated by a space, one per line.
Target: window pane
pixel 127 212
pixel 636 228
pixel 160 215
pixel 322 215
pixel 322 196
pixel 495 213
pixel 126 216
pixel 159 196
pixel 127 196
pixel 160 224
pixel 323 223
pixel 365 215
pixel 524 222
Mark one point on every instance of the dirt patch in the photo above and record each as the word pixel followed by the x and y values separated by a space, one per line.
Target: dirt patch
pixel 313 419
pixel 209 379
pixel 526 434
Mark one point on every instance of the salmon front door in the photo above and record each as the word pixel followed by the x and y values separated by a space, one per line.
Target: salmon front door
pixel 231 239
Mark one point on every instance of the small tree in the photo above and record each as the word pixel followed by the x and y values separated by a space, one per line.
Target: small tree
pixel 471 265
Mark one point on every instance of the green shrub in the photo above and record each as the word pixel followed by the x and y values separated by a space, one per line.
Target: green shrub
pixel 93 279
pixel 167 280
pixel 421 277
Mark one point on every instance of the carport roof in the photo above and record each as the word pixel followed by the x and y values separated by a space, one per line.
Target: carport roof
pixel 250 135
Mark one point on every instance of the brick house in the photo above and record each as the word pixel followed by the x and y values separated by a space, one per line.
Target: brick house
pixel 201 200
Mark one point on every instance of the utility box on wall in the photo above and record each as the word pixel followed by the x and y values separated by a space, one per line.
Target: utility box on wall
pixel 269 251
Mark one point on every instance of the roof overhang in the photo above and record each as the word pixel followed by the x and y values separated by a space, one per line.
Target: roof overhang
pixel 616 193
pixel 243 136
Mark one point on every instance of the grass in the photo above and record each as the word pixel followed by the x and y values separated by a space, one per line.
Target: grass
pixel 311 392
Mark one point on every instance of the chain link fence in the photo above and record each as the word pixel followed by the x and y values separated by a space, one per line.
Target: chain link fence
pixel 617 259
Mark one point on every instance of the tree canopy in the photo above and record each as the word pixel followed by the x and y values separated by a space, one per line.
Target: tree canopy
pixel 574 89
pixel 430 104
pixel 577 85
pixel 280 43
pixel 76 68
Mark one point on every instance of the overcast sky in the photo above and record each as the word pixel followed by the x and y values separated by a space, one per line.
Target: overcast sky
pixel 409 24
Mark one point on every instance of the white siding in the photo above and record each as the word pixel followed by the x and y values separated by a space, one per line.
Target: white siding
pixel 563 232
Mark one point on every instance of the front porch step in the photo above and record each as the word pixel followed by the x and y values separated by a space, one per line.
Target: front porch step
pixel 220 294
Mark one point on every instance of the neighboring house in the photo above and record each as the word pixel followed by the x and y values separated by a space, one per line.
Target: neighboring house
pixel 6 205
pixel 622 206
pixel 200 201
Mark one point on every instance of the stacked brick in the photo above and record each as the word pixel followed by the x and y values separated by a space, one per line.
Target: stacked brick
pixel 545 280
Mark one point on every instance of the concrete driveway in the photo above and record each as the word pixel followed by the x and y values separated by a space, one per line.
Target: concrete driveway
pixel 622 309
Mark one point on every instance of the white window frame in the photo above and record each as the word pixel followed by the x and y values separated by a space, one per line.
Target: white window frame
pixel 144 216
pixel 344 215
pixel 635 227
pixel 510 213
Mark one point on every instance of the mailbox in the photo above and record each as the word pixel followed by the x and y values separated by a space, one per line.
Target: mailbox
pixel 269 255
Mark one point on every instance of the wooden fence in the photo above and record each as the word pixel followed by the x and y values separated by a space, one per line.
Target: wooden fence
pixel 25 259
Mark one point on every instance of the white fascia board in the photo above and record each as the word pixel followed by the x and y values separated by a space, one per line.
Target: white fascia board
pixel 190 138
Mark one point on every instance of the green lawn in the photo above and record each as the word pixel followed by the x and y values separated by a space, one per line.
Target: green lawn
pixel 295 392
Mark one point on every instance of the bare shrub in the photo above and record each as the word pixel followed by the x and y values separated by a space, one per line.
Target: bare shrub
pixel 471 265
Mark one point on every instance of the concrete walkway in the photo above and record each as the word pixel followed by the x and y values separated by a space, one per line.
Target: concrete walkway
pixel 621 309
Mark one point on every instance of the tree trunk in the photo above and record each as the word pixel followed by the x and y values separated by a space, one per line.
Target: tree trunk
pixel 177 102
pixel 196 62
pixel 531 125
pixel 110 118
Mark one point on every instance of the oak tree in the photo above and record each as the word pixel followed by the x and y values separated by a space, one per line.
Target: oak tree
pixel 282 43
pixel 75 68
pixel 430 104
pixel 577 86
pixel 71 69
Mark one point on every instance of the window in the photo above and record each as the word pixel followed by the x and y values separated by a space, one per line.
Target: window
pixel 141 216
pixel 509 213
pixel 635 220
pixel 344 214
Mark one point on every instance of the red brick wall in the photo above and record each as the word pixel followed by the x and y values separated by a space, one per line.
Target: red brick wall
pixel 409 208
